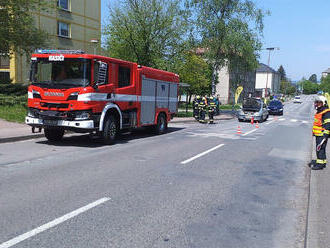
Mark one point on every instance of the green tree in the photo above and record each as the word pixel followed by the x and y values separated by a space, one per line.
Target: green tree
pixel 197 73
pixel 282 73
pixel 149 32
pixel 308 87
pixel 287 88
pixel 230 31
pixel 313 78
pixel 17 30
pixel 325 84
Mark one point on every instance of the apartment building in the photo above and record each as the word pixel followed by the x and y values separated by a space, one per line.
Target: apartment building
pixel 74 24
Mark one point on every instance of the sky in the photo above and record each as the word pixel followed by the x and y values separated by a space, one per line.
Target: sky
pixel 300 28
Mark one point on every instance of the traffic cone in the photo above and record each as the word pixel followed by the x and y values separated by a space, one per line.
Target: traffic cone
pixel 252 120
pixel 257 124
pixel 239 131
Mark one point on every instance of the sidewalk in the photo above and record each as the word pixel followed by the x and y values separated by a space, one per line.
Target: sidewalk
pixel 318 231
pixel 11 131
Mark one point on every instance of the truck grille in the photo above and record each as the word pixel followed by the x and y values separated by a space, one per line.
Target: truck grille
pixel 54 105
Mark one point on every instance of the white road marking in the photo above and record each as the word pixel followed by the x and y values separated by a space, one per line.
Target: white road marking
pixel 250 132
pixel 281 119
pixel 293 120
pixel 199 155
pixel 305 122
pixel 51 224
pixel 270 122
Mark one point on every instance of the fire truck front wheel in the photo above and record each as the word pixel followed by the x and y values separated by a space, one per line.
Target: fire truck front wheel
pixel 54 134
pixel 110 130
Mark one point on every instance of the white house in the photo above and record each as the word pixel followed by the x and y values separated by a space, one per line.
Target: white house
pixel 266 78
pixel 229 81
pixel 326 73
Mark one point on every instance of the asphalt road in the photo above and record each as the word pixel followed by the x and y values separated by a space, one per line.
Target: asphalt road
pixel 196 186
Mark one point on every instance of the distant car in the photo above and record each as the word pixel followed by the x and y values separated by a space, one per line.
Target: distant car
pixel 297 99
pixel 275 107
pixel 253 107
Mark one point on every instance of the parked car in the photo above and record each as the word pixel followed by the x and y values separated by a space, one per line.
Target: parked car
pixel 275 107
pixel 297 99
pixel 253 107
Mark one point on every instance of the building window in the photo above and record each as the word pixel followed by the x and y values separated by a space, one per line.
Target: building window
pixel 4 62
pixel 4 77
pixel 63 29
pixel 64 4
pixel 124 77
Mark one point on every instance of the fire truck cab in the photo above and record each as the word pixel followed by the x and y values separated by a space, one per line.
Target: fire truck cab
pixel 86 93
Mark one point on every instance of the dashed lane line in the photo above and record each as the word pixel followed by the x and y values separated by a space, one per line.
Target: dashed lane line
pixel 53 223
pixel 252 131
pixel 199 155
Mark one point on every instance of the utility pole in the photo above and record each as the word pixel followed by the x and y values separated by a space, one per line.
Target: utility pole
pixel 269 49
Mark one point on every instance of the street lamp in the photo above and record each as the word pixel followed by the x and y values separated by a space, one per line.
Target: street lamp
pixel 269 49
pixel 94 42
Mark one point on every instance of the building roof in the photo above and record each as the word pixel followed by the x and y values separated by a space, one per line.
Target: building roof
pixel 265 68
pixel 327 71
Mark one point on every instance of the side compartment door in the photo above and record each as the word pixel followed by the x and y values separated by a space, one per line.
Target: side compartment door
pixel 162 94
pixel 148 101
pixel 173 98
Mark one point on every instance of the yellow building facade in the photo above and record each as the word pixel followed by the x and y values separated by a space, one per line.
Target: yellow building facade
pixel 74 24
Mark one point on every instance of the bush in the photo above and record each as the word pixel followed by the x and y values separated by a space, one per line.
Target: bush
pixel 13 100
pixel 13 89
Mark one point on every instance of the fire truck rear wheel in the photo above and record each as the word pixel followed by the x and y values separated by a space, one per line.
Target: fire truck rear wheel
pixel 110 130
pixel 54 134
pixel 161 126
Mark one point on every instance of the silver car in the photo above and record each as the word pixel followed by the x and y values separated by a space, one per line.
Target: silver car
pixel 253 107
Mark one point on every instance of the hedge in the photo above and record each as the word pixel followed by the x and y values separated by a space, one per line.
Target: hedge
pixel 13 100
pixel 13 89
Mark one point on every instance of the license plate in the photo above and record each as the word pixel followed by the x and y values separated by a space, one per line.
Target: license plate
pixel 50 122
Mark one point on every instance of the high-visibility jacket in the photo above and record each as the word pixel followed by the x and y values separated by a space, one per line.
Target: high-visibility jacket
pixel 318 126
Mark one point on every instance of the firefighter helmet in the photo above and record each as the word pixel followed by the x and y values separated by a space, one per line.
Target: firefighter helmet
pixel 320 99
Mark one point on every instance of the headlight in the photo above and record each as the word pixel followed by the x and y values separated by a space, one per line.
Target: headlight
pixel 281 109
pixel 257 114
pixel 34 94
pixel 82 115
pixel 73 96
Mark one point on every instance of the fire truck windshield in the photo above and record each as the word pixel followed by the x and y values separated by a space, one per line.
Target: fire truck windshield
pixel 69 73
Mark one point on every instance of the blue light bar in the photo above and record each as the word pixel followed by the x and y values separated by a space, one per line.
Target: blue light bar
pixel 49 51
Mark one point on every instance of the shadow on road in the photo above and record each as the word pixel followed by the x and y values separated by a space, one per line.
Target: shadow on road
pixel 91 141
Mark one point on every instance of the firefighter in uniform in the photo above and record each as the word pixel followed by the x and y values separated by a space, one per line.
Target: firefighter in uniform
pixel 321 131
pixel 211 108
pixel 202 109
pixel 195 107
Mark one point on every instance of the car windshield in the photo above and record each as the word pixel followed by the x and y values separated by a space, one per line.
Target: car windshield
pixel 69 73
pixel 251 104
pixel 275 104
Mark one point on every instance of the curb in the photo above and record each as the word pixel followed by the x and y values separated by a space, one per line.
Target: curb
pixel 20 138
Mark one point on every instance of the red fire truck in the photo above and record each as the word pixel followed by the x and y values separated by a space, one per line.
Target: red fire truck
pixel 87 93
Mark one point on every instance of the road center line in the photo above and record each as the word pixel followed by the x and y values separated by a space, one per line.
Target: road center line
pixel 200 155
pixel 250 132
pixel 51 224
pixel 270 122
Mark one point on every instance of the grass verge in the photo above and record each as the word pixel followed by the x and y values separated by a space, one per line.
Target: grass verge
pixel 184 114
pixel 14 113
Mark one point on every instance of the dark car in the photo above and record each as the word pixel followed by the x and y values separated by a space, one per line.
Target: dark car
pixel 275 107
